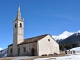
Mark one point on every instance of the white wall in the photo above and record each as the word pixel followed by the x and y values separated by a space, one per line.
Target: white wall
pixel 47 47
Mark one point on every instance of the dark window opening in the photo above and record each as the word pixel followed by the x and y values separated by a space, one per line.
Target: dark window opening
pixel 48 39
pixel 24 49
pixel 18 50
pixel 20 24
pixel 33 52
pixel 11 50
pixel 15 25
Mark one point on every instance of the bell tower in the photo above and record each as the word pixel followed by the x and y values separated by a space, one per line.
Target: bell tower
pixel 18 32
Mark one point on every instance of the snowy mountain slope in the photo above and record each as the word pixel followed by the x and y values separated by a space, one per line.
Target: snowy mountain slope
pixel 3 53
pixel 0 49
pixel 64 35
pixel 74 38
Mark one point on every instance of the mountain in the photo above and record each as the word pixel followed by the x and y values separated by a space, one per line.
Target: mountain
pixel 64 35
pixel 3 53
pixel 0 49
pixel 73 38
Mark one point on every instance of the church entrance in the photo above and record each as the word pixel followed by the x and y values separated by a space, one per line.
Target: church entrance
pixel 33 52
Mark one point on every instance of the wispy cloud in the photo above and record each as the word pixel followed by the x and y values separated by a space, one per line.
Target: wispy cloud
pixel 57 15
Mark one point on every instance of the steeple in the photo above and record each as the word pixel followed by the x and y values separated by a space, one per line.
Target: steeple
pixel 18 17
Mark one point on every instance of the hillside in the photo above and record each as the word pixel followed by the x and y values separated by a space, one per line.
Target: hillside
pixel 3 53
pixel 75 38
pixel 68 37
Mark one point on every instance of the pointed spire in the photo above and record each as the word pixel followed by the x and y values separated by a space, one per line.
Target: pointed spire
pixel 18 17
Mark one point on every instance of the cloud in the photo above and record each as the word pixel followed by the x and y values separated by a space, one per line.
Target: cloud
pixel 0 48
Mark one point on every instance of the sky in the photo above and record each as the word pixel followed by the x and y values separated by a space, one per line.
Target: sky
pixel 40 17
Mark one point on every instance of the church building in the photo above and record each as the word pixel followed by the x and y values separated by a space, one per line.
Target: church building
pixel 35 46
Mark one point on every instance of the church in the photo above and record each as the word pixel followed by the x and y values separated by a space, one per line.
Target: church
pixel 34 46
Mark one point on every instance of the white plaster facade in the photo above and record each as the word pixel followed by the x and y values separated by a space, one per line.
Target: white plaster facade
pixel 39 45
pixel 47 45
pixel 44 46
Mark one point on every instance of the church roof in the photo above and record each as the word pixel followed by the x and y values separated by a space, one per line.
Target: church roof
pixel 33 39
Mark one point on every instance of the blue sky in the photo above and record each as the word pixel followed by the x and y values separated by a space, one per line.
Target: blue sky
pixel 40 17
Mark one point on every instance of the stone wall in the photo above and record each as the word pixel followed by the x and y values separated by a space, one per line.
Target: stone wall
pixel 28 47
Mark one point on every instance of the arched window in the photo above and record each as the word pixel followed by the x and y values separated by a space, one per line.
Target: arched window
pixel 20 24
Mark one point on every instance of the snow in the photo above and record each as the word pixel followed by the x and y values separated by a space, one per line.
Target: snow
pixel 75 49
pixel 4 56
pixel 78 31
pixel 42 59
pixel 71 57
pixel 75 56
pixel 0 49
pixel 64 35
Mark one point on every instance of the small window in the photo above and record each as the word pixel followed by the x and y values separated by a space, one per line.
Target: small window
pixel 11 50
pixel 20 24
pixel 48 39
pixel 15 25
pixel 24 49
pixel 18 50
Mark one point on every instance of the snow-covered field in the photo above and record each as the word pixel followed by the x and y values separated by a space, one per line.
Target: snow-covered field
pixel 75 56
pixel 71 57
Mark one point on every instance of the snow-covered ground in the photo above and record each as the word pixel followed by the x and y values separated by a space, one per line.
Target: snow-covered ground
pixel 75 49
pixel 75 56
pixel 71 57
